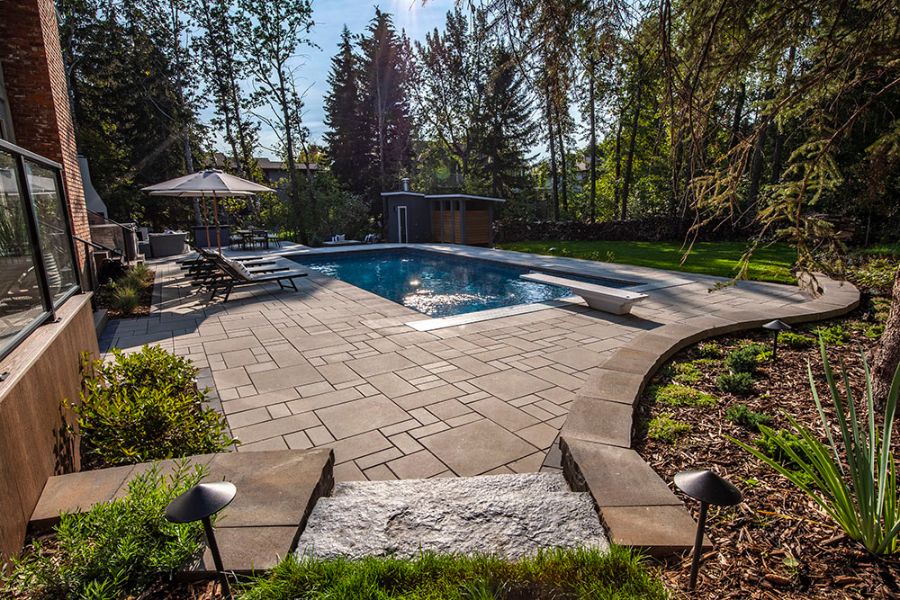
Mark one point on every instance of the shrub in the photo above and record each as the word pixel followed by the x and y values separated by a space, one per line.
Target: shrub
pixel 876 274
pixel 710 350
pixel 740 384
pixel 138 277
pixel 746 358
pixel 740 414
pixel 124 298
pixel 686 372
pixel 145 406
pixel 836 335
pixel 115 550
pixel 859 492
pixel 797 341
pixel 665 428
pixel 618 573
pixel 681 395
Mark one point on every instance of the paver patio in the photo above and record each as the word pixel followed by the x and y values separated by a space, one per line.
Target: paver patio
pixel 335 366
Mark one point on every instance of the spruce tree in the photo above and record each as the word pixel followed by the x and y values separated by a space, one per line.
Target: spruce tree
pixel 345 138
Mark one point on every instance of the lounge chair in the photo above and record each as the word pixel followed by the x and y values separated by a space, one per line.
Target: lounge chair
pixel 234 274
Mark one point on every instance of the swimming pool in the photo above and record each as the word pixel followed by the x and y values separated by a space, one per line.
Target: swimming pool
pixel 437 284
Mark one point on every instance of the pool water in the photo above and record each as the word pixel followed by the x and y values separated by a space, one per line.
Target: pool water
pixel 436 284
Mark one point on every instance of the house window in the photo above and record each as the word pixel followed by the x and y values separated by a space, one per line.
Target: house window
pixel 37 257
pixel 6 130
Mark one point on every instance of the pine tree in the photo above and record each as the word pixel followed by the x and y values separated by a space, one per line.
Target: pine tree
pixel 345 137
pixel 387 120
pixel 508 128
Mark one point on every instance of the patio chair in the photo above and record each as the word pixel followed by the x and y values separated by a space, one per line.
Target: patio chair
pixel 235 275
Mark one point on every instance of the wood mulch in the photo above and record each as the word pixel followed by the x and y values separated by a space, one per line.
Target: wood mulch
pixel 777 543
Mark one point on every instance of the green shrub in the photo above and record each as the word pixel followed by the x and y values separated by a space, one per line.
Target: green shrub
pixel 876 274
pixel 746 358
pixel 710 350
pixel 836 335
pixel 675 394
pixel 138 277
pixel 740 384
pixel 797 341
pixel 145 406
pixel 854 482
pixel 665 428
pixel 124 298
pixel 559 573
pixel 740 414
pixel 686 372
pixel 115 550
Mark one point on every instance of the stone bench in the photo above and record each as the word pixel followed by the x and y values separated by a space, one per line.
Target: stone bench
pixel 598 297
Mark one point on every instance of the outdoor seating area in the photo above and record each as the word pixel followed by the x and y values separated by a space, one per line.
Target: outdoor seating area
pixel 252 237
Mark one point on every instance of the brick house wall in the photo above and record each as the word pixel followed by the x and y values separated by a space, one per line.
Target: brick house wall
pixel 38 95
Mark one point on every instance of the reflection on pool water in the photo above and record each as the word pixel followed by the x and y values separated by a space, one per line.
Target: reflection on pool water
pixel 438 285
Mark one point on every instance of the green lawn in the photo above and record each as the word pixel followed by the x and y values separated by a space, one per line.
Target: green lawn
pixel 769 263
pixel 576 574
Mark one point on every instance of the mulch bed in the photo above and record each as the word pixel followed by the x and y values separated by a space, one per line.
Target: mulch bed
pixel 777 543
pixel 142 310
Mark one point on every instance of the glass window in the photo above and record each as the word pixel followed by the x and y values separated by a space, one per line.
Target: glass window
pixel 21 303
pixel 57 251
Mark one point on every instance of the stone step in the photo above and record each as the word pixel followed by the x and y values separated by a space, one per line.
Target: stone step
pixel 507 515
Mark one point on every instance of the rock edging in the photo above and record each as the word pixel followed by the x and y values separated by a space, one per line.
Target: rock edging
pixel 637 507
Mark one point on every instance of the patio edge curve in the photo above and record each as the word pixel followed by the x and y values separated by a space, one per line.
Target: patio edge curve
pixel 637 507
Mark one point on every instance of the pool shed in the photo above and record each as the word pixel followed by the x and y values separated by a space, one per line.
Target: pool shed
pixel 413 218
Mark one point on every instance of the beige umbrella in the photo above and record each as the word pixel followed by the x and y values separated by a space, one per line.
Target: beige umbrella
pixel 211 182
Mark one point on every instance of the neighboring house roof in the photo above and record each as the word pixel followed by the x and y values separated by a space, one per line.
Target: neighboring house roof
pixel 264 163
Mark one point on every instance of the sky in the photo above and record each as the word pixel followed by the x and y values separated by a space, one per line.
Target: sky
pixel 313 64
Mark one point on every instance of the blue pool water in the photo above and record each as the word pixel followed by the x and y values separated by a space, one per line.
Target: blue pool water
pixel 436 284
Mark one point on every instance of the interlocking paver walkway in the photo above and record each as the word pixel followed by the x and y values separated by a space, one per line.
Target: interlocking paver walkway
pixel 336 366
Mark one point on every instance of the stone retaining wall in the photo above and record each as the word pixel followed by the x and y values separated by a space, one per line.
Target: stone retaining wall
pixel 636 505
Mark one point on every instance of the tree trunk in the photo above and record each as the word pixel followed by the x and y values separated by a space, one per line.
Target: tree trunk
pixel 562 160
pixel 618 160
pixel 553 173
pixel 887 355
pixel 629 162
pixel 593 142
pixel 738 115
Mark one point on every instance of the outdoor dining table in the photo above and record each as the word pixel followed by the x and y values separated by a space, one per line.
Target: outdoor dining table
pixel 249 238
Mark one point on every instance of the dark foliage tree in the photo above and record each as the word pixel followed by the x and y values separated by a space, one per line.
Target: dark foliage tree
pixel 346 134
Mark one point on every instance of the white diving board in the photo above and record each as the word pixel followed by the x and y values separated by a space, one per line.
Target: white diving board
pixel 598 297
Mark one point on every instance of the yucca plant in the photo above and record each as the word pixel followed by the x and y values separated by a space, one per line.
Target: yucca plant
pixel 860 492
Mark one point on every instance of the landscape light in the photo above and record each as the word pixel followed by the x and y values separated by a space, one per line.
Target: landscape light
pixel 776 327
pixel 708 488
pixel 199 504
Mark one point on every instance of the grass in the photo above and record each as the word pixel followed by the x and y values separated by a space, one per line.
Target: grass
pixel 617 575
pixel 769 263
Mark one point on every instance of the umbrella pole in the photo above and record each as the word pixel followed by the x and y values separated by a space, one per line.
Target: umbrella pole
pixel 206 220
pixel 216 217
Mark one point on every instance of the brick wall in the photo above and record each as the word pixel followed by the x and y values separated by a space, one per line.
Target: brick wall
pixel 38 94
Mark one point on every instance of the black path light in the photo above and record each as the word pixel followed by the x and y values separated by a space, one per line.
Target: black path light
pixel 776 327
pixel 199 504
pixel 708 488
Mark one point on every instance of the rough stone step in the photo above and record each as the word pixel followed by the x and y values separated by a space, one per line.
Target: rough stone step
pixel 507 515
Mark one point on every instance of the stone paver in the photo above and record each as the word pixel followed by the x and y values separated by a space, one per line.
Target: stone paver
pixel 335 366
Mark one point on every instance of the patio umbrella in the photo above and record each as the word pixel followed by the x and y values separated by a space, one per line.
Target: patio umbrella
pixel 211 182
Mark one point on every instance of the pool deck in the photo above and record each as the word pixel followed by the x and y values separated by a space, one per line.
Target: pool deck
pixel 336 366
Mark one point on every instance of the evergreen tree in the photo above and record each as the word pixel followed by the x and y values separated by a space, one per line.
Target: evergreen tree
pixel 343 116
pixel 386 116
pixel 507 128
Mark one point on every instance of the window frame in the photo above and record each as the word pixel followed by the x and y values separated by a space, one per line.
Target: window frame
pixel 49 304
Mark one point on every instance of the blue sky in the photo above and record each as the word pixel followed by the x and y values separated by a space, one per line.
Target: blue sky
pixel 330 16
